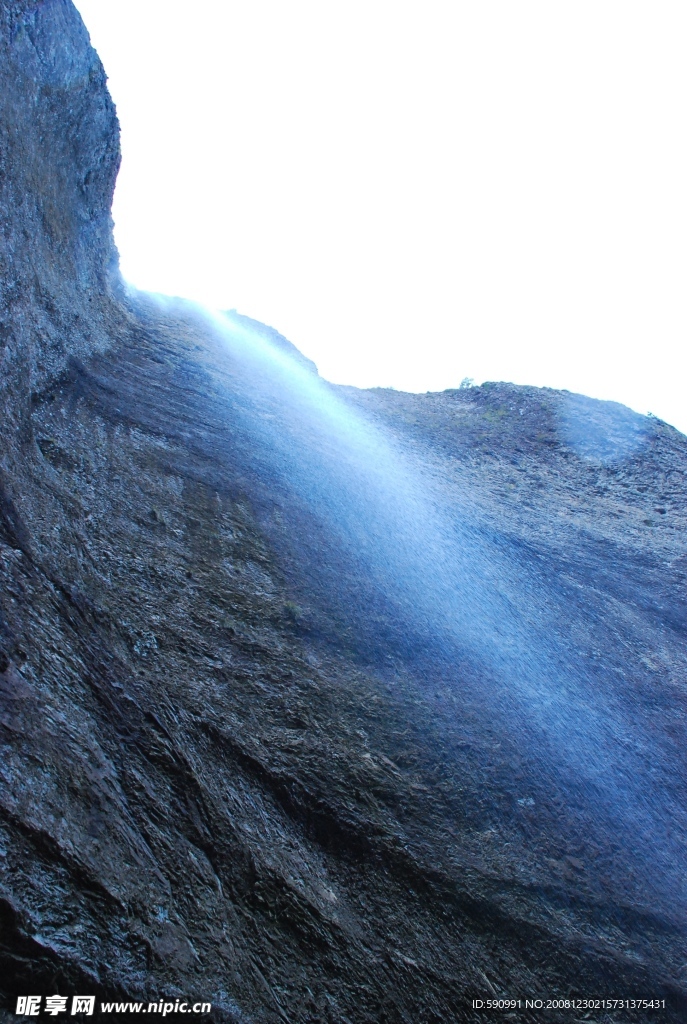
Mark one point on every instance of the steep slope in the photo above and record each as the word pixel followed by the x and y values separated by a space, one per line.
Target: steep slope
pixel 317 704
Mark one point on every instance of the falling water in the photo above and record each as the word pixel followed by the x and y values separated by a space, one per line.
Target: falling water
pixel 464 591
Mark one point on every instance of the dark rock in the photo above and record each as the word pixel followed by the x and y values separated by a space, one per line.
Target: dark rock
pixel 321 705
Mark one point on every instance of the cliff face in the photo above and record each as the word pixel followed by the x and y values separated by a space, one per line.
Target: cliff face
pixel 317 704
pixel 59 156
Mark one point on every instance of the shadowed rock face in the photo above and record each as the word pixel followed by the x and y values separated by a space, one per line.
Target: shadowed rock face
pixel 318 704
pixel 59 156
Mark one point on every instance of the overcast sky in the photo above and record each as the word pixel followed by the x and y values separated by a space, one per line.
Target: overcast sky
pixel 415 193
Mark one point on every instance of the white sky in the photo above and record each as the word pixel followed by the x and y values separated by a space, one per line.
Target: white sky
pixel 417 192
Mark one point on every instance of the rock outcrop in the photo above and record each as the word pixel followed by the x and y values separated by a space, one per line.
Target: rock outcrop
pixel 60 155
pixel 316 704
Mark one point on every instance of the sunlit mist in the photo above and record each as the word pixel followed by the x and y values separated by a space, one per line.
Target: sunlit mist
pixel 463 598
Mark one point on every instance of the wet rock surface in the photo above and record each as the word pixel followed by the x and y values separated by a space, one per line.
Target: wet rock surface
pixel 244 758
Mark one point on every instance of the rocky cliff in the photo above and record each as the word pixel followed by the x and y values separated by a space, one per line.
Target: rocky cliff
pixel 316 704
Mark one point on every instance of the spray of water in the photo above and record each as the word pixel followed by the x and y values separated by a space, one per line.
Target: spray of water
pixel 425 550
